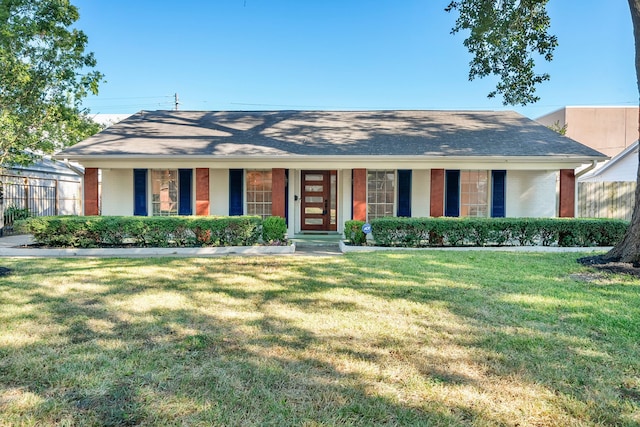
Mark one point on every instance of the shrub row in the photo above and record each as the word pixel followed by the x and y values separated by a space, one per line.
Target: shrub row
pixel 175 231
pixel 421 232
pixel 353 233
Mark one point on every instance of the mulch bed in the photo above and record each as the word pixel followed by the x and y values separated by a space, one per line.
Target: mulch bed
pixel 599 262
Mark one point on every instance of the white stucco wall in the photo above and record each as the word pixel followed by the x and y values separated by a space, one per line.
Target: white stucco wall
pixel 219 191
pixel 420 193
pixel 117 192
pixel 531 194
pixel 69 197
pixel 344 198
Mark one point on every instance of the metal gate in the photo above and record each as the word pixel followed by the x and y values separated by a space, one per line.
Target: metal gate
pixel 21 199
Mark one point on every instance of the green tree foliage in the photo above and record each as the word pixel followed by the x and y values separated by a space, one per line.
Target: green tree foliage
pixel 44 75
pixel 557 127
pixel 505 38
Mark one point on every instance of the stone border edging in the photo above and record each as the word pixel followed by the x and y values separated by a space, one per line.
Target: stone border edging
pixel 147 252
pixel 346 248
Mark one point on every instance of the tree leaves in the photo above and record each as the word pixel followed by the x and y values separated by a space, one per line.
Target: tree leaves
pixel 506 37
pixel 44 75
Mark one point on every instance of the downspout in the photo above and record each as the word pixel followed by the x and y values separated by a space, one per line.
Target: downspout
pixel 75 169
pixel 589 168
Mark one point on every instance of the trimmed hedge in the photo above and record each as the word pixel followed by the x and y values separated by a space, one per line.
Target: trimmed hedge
pixel 422 232
pixel 175 231
pixel 274 230
pixel 353 233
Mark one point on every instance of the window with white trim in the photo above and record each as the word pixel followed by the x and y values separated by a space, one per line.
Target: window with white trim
pixel 381 193
pixel 259 192
pixel 164 192
pixel 474 193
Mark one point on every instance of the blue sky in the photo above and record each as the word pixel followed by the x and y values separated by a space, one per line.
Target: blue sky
pixel 335 55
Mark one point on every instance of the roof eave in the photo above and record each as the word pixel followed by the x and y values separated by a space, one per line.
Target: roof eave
pixel 296 158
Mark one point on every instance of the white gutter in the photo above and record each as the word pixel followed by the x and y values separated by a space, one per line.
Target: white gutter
pixel 75 169
pixel 594 163
pixel 334 158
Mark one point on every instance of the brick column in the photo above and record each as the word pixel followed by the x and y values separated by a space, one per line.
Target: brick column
pixel 278 184
pixel 437 192
pixel 567 193
pixel 91 196
pixel 202 191
pixel 360 194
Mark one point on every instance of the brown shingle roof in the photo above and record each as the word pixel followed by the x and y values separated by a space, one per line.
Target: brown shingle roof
pixel 255 134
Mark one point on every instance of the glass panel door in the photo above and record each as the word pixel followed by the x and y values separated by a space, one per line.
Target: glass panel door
pixel 319 198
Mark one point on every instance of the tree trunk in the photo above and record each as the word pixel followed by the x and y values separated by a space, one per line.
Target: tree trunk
pixel 628 250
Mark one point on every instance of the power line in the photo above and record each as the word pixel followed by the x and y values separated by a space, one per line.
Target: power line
pixel 98 98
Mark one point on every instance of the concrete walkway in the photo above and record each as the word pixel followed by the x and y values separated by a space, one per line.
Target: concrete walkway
pixel 19 246
pixel 17 240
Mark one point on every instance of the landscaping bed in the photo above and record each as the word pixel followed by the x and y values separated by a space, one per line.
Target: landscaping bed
pixel 156 232
pixel 456 232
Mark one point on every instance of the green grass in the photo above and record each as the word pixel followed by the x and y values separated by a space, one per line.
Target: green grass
pixel 401 338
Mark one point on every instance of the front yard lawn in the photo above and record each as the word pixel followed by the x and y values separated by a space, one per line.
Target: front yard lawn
pixel 401 338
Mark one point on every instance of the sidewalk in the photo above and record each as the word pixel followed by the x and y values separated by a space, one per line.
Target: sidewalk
pixel 16 240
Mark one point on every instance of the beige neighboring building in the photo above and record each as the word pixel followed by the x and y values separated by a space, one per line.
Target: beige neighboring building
pixel 608 191
pixel 609 130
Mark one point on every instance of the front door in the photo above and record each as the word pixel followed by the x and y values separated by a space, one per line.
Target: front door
pixel 319 201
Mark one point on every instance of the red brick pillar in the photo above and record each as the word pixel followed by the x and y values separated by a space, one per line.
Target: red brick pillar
pixel 437 192
pixel 567 193
pixel 278 185
pixel 202 191
pixel 91 196
pixel 360 194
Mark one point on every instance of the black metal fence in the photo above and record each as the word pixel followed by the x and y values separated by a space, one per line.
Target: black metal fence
pixel 19 200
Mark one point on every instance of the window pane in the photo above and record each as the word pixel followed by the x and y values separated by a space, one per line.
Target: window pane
pixel 381 193
pixel 389 198
pixel 164 187
pixel 474 196
pixel 258 193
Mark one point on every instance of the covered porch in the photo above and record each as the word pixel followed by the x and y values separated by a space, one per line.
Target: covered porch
pixel 319 201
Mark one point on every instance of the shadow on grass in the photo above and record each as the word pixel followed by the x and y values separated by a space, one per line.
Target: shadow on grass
pixel 405 340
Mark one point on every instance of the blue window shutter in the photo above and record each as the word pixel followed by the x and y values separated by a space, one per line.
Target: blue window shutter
pixel 140 192
pixel 498 193
pixel 236 187
pixel 185 185
pixel 404 193
pixel 452 193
